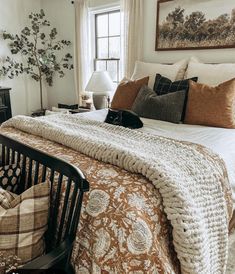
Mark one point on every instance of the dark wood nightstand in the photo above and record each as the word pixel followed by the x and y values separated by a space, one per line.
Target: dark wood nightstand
pixel 5 104
pixel 38 113
pixel 79 110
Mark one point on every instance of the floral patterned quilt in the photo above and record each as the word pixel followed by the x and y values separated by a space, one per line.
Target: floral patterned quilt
pixel 123 228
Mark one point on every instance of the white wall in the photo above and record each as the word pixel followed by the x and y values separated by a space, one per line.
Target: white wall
pixel 61 15
pixel 102 3
pixel 150 55
pixel 25 91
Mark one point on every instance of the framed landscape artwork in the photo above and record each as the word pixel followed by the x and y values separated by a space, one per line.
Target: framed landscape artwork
pixel 190 24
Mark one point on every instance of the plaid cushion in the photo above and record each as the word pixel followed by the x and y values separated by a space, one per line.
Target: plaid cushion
pixel 23 223
pixel 164 85
pixel 10 177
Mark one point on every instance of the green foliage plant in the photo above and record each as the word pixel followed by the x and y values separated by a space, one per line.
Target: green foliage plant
pixel 38 46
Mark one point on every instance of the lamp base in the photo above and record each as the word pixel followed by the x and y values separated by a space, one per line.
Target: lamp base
pixel 100 101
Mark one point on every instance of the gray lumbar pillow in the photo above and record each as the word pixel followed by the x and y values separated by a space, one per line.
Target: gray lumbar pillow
pixel 168 107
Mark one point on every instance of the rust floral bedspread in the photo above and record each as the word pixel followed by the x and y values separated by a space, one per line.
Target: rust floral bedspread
pixel 123 228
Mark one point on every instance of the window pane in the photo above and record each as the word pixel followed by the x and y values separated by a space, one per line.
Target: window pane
pixel 100 65
pixel 102 48
pixel 102 25
pixel 112 69
pixel 114 47
pixel 114 23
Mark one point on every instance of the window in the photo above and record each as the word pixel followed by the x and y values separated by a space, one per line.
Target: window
pixel 107 43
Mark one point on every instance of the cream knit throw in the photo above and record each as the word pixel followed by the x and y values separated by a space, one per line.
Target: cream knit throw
pixel 188 176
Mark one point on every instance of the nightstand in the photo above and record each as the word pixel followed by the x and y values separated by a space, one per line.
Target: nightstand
pixel 38 113
pixel 79 110
pixel 5 104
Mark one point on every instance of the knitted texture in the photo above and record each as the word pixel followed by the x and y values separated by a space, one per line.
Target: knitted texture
pixel 190 178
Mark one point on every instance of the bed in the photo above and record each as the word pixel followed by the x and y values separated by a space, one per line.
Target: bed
pixel 219 140
pixel 127 224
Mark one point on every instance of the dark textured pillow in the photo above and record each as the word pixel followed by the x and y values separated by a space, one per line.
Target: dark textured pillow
pixel 167 107
pixel 164 85
pixel 10 177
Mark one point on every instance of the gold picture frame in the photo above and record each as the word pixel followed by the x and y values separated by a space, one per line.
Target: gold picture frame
pixel 190 25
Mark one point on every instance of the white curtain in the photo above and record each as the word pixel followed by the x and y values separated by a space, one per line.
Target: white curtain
pixel 82 64
pixel 132 19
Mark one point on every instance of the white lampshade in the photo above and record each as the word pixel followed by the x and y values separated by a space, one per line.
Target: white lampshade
pixel 100 82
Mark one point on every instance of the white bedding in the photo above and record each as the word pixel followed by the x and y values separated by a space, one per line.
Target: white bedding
pixel 221 141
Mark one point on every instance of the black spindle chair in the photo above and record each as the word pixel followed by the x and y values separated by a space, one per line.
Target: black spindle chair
pixel 36 167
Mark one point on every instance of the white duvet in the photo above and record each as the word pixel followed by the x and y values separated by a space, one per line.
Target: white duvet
pixel 221 141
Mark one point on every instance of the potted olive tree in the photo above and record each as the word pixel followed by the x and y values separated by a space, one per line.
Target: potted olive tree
pixel 39 47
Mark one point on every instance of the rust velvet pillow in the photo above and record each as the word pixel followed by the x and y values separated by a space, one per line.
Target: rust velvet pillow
pixel 211 106
pixel 126 93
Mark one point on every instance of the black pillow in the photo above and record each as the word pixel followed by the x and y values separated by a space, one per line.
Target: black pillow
pixel 68 106
pixel 167 107
pixel 164 85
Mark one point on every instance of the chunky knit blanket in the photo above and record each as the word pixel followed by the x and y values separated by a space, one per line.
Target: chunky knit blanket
pixel 192 180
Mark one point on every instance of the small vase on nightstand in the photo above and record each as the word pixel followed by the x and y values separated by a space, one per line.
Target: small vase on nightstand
pixel 87 100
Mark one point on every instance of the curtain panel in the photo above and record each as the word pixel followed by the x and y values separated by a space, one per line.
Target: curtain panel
pixel 132 12
pixel 82 62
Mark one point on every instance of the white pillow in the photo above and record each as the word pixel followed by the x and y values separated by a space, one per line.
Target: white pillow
pixel 173 72
pixel 210 74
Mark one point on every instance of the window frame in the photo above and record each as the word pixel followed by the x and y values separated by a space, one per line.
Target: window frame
pixel 96 38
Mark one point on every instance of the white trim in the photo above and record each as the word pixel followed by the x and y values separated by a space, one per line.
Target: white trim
pixel 105 8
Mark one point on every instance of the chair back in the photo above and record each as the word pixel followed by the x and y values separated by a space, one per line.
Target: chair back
pixel 68 185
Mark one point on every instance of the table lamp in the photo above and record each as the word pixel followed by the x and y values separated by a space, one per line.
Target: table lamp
pixel 100 84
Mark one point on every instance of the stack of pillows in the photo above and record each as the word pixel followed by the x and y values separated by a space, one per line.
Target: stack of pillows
pixel 202 95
